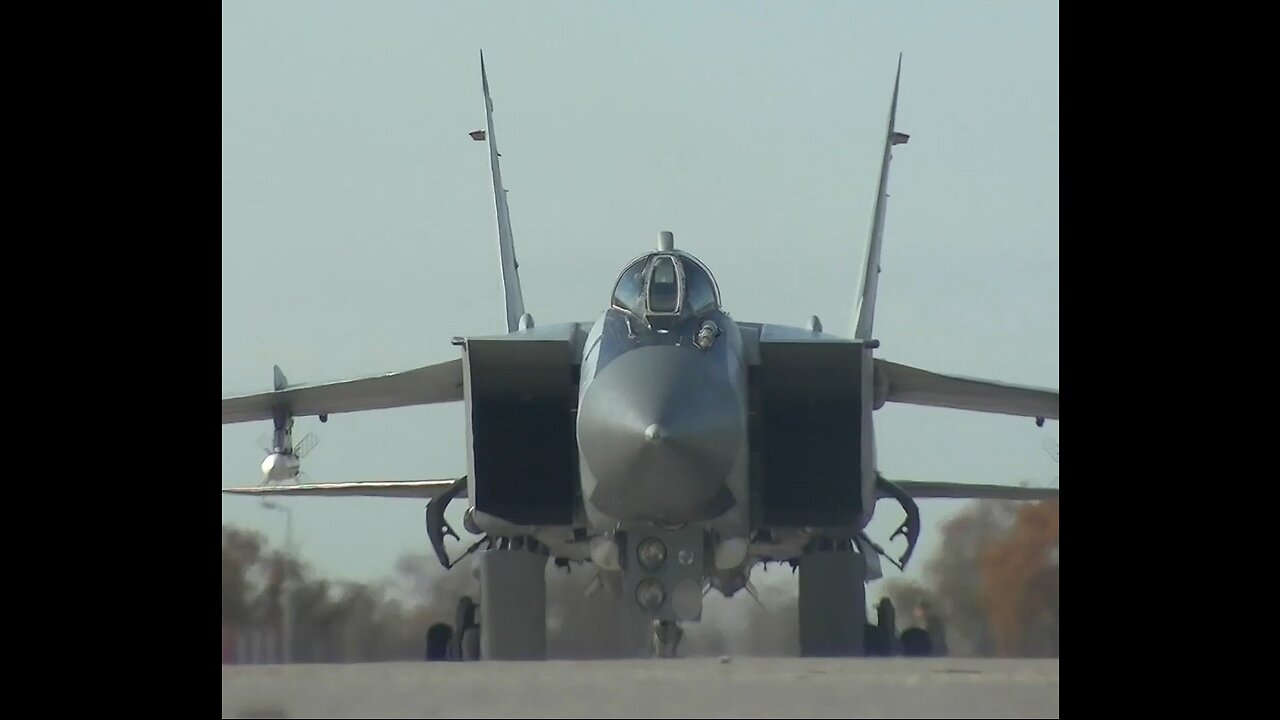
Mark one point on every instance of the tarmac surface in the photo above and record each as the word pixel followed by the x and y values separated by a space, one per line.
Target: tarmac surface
pixel 693 687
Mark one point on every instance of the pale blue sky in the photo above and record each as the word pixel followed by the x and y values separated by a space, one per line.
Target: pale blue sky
pixel 358 232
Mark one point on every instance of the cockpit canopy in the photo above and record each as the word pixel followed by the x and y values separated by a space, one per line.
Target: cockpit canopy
pixel 665 285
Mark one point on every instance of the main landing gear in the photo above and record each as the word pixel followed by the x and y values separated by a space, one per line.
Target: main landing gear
pixel 833 600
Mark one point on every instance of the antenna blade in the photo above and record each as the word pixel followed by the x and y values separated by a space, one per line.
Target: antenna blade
pixel 306 445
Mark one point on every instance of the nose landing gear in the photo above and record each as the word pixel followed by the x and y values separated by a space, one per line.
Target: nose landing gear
pixel 665 639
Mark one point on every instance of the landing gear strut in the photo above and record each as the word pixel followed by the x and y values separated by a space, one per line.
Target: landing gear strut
pixel 513 600
pixel 466 642
pixel 833 600
pixel 665 640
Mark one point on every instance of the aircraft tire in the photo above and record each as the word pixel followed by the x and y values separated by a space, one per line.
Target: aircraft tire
pixel 876 641
pixel 439 642
pixel 465 617
pixel 471 644
pixel 833 603
pixel 916 643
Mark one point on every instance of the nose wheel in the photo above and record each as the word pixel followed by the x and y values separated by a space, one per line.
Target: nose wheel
pixel 665 639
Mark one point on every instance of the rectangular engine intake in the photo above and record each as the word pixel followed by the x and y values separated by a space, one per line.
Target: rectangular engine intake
pixel 808 434
pixel 521 391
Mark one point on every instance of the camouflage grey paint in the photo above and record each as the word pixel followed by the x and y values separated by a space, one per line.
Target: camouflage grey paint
pixel 662 424
pixel 663 446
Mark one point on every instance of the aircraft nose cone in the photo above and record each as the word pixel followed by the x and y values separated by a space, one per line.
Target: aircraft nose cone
pixel 660 429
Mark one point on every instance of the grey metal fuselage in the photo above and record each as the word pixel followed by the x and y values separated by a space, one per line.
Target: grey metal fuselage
pixel 639 430
pixel 662 424
pixel 662 429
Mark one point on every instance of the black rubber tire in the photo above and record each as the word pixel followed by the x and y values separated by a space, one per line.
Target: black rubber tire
pixel 916 643
pixel 439 638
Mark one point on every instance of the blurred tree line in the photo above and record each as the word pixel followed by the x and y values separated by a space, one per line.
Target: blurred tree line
pixel 993 589
pixel 994 585
pixel 331 622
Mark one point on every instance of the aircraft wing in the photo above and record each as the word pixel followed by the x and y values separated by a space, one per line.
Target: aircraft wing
pixel 374 488
pixel 422 386
pixel 905 384
pixel 972 491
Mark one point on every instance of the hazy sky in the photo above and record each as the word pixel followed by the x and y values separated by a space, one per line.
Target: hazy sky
pixel 358 232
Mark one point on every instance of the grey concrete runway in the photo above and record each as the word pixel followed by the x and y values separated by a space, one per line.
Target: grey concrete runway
pixel 699 688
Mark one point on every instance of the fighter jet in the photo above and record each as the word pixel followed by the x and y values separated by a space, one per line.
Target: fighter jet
pixel 666 444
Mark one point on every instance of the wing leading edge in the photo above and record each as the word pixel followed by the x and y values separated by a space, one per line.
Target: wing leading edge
pixel 426 385
pixel 912 386
pixel 974 491
pixel 373 488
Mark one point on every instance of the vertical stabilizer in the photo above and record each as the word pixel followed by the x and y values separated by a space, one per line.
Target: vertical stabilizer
pixel 871 271
pixel 512 297
pixel 280 381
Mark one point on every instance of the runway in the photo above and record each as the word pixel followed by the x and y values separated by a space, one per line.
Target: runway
pixel 695 688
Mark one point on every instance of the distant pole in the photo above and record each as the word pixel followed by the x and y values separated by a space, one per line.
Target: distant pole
pixel 286 589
